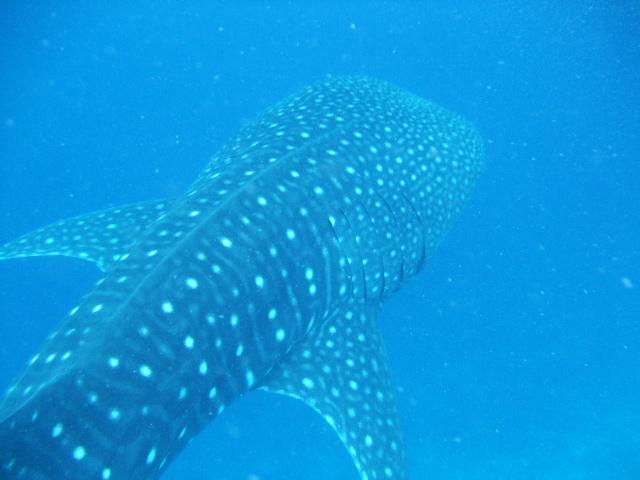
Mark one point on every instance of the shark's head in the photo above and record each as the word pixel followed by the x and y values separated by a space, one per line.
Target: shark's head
pixel 446 165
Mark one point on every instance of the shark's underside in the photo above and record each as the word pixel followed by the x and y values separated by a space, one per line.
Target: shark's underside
pixel 267 273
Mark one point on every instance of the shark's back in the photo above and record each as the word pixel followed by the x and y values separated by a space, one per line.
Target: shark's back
pixel 266 273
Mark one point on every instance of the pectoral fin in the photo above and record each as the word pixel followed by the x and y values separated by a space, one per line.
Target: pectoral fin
pixel 100 237
pixel 341 371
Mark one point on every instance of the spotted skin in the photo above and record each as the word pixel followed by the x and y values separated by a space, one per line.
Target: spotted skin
pixel 98 237
pixel 341 372
pixel 267 273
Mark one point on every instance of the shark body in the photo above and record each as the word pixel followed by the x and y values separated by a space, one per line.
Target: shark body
pixel 267 273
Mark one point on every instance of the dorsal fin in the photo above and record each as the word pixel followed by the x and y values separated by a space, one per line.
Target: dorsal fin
pixel 341 371
pixel 100 237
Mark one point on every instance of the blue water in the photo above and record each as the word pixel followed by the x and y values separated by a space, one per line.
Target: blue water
pixel 516 351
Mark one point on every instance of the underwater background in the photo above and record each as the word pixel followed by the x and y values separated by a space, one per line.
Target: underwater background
pixel 516 351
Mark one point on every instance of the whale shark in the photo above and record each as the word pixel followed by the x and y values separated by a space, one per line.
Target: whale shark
pixel 267 273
